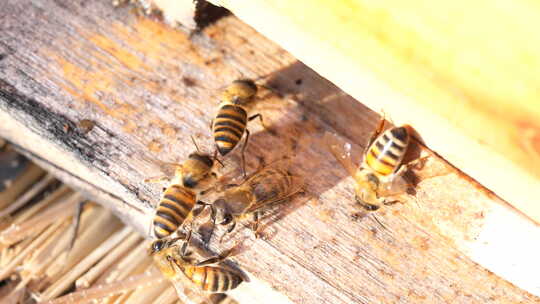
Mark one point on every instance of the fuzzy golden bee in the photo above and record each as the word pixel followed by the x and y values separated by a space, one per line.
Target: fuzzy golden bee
pixel 180 197
pixel 380 174
pixel 267 187
pixel 229 124
pixel 183 272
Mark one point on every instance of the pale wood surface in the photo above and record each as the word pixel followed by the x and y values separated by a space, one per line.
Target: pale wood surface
pixel 464 74
pixel 148 87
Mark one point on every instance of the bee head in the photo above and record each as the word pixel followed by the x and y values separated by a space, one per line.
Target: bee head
pixel 202 158
pixel 157 246
pixel 366 191
pixel 367 206
pixel 240 92
pixel 197 168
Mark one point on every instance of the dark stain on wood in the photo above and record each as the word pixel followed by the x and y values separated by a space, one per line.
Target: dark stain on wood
pixel 206 14
pixel 56 125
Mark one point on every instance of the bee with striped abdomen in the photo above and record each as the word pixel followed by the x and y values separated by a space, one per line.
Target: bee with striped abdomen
pixel 176 265
pixel 231 119
pixel 268 187
pixel 380 175
pixel 180 197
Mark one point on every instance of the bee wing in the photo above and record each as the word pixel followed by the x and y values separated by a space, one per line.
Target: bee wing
pixel 167 168
pixel 188 292
pixel 341 150
pixel 397 186
pixel 296 187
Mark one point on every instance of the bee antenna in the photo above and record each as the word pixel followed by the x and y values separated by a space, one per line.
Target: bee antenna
pixel 265 86
pixel 195 143
pixel 377 220
pixel 262 76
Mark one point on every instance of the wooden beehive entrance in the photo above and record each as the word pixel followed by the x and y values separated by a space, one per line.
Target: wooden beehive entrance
pixel 109 94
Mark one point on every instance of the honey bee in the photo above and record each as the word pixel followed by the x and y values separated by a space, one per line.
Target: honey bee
pixel 380 174
pixel 176 265
pixel 180 197
pixel 229 124
pixel 268 187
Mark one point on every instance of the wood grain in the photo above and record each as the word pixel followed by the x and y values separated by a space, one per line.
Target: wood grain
pixel 148 87
pixel 463 74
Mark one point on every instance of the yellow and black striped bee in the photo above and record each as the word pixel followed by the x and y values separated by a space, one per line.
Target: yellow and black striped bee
pixel 268 187
pixel 176 265
pixel 380 175
pixel 230 121
pixel 180 197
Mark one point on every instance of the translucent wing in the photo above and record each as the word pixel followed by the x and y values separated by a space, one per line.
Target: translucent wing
pixel 188 292
pixel 398 185
pixel 278 198
pixel 167 168
pixel 341 151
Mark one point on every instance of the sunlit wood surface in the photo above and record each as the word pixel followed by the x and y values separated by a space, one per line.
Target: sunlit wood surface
pixel 148 87
pixel 464 74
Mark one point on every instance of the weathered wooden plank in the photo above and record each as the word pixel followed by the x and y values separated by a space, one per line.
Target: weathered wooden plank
pixel 464 74
pixel 148 87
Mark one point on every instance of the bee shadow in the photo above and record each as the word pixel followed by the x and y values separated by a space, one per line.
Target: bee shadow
pixel 298 110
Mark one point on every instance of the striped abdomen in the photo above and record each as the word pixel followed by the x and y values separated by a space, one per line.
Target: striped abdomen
pixel 173 209
pixel 386 153
pixel 228 127
pixel 212 279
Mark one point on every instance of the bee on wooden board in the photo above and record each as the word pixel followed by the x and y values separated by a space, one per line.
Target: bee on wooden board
pixel 176 265
pixel 180 197
pixel 229 124
pixel 380 174
pixel 269 186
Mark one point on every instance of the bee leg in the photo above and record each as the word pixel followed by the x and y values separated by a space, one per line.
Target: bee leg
pixel 199 208
pixel 229 230
pixel 211 125
pixel 244 153
pixel 255 225
pixel 183 250
pixel 232 226
pixel 216 159
pixel 214 260
pixel 416 164
pixel 392 202
pixel 375 134
pixel 258 115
